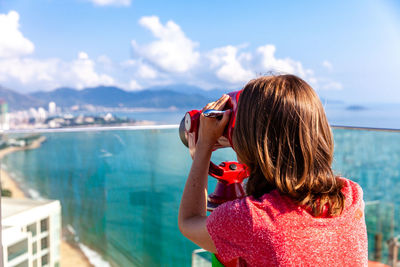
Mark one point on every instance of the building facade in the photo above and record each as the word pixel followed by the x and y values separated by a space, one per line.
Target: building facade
pixel 31 232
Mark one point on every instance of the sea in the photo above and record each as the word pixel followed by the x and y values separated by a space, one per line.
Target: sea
pixel 120 189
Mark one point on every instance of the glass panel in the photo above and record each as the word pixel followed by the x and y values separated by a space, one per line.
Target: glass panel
pixel 44 243
pixel 32 228
pixel 34 263
pixel 44 225
pixel 120 190
pixel 201 258
pixel 17 249
pixel 372 159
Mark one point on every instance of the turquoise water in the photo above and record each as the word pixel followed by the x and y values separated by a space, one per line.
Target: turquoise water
pixel 370 115
pixel 120 190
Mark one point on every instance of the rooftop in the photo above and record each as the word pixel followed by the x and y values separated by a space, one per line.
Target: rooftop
pixel 11 206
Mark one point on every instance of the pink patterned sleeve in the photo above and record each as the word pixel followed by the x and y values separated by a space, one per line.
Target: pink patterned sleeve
pixel 229 226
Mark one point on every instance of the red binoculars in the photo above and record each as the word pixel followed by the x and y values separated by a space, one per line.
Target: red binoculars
pixel 229 174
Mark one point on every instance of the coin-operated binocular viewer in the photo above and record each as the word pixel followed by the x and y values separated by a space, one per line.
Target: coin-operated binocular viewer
pixel 229 174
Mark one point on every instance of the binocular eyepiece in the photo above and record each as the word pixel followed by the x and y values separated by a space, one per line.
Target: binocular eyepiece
pixel 190 123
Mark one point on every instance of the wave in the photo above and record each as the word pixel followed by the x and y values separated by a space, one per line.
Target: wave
pixel 94 258
pixel 71 229
pixel 105 154
pixel 30 192
pixel 120 139
pixel 34 194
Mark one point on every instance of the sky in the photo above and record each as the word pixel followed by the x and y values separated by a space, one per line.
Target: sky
pixel 347 50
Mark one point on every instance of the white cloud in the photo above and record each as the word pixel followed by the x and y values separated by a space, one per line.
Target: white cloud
pixel 172 51
pixel 50 73
pixel 105 60
pixel 170 58
pixel 111 2
pixel 332 85
pixel 27 70
pixel 228 65
pixel 268 62
pixel 84 74
pixel 134 85
pixel 128 63
pixel 146 72
pixel 12 41
pixel 327 65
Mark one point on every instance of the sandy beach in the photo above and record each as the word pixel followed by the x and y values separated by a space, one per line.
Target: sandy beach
pixel 70 255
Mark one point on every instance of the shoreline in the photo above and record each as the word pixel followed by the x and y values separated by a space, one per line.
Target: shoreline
pixel 94 129
pixel 70 255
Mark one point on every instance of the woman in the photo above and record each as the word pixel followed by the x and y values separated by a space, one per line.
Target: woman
pixel 297 212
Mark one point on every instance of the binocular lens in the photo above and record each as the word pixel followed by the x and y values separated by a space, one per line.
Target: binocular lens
pixel 182 134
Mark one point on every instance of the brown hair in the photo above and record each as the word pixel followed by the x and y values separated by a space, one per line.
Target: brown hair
pixel 283 136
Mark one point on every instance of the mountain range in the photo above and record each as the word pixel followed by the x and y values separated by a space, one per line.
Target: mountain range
pixel 179 96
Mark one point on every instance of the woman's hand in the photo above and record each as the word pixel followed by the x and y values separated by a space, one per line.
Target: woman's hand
pixel 212 128
pixel 192 218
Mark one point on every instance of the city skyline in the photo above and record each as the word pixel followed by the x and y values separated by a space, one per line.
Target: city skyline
pixel 346 50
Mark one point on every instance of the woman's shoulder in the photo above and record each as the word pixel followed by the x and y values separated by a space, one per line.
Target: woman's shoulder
pixel 233 210
pixel 245 209
pixel 353 194
pixel 238 206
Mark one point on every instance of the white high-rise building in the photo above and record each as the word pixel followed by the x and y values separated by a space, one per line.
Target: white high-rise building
pixel 31 232
pixel 42 114
pixel 52 108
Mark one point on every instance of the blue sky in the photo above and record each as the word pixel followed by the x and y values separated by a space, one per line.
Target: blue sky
pixel 347 50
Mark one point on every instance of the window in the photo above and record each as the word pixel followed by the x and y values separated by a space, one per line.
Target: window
pixel 45 260
pixel 44 225
pixel 17 249
pixel 34 248
pixel 32 228
pixel 22 264
pixel 44 243
pixel 34 264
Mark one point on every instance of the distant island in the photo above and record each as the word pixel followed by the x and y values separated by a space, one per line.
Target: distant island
pixel 356 108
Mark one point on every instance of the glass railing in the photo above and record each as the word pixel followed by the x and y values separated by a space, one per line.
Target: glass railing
pixel 120 189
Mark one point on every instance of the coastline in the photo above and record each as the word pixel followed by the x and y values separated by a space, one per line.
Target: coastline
pixel 71 256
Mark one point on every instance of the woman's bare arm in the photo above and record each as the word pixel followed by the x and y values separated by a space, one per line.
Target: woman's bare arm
pixel 193 208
